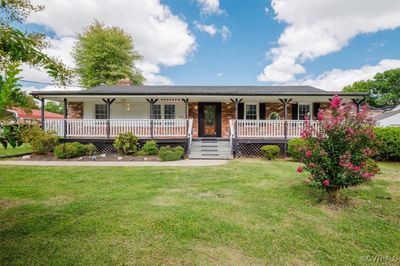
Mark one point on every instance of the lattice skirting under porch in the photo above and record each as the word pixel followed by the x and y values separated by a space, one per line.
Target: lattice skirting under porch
pixel 252 148
pixel 106 145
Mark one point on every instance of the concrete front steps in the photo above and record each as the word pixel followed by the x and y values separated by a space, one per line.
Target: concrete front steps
pixel 208 148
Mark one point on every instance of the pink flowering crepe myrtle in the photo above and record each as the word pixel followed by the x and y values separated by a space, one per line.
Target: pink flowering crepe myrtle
pixel 338 152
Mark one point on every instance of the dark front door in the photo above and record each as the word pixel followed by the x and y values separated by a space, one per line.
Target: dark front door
pixel 209 119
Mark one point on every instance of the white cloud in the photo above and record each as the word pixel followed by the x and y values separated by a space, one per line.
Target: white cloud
pixel 210 7
pixel 210 29
pixel 225 33
pixel 220 75
pixel 336 79
pixel 317 28
pixel 164 39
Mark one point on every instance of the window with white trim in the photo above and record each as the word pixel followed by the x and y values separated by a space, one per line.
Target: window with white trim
pixel 250 111
pixel 304 111
pixel 169 111
pixel 101 111
pixel 156 111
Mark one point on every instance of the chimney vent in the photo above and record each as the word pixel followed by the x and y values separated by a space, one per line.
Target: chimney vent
pixel 124 82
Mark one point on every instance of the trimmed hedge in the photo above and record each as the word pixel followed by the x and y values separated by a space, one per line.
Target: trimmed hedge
pixel 73 149
pixel 42 142
pixel 150 148
pixel 126 143
pixel 270 151
pixel 171 154
pixel 294 146
pixel 388 143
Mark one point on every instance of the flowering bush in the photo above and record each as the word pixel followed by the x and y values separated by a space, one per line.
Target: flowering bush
pixel 338 153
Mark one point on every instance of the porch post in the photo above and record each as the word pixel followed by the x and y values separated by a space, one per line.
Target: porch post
pixel 65 117
pixel 186 101
pixel 108 108
pixel 151 102
pixel 42 113
pixel 236 101
pixel 358 103
pixel 285 125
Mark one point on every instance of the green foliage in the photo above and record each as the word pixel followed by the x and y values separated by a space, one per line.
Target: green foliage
pixel 104 55
pixel 42 142
pixel 389 143
pixel 338 154
pixel 294 148
pixel 150 147
pixel 17 10
pixel 126 143
pixel 11 94
pixel 90 149
pixel 171 154
pixel 383 89
pixel 73 149
pixel 17 47
pixel 270 151
pixel 11 135
pixel 54 107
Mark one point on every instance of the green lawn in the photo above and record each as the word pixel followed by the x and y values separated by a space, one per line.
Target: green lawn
pixel 246 212
pixel 24 148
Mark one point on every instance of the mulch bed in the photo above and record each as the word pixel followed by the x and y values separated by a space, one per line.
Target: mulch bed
pixel 108 157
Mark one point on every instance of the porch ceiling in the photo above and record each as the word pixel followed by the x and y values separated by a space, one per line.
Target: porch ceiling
pixel 191 98
pixel 197 93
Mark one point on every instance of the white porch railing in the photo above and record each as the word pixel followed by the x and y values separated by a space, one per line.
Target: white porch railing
pixel 268 128
pixel 144 128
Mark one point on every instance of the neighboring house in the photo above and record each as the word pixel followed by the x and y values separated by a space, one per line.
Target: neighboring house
pixel 210 121
pixel 390 118
pixel 21 116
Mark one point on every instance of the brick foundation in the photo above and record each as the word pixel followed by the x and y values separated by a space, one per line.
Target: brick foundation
pixel 75 110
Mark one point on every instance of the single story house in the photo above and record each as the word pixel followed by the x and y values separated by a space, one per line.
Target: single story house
pixel 19 115
pixel 389 118
pixel 209 121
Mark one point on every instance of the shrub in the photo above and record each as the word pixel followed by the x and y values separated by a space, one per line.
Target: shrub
pixel 270 151
pixel 171 154
pixel 389 143
pixel 73 149
pixel 338 155
pixel 294 148
pixel 126 143
pixel 42 142
pixel 90 149
pixel 11 135
pixel 150 148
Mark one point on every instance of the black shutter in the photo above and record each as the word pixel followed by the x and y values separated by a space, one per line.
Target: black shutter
pixel 262 111
pixel 295 108
pixel 241 111
pixel 316 107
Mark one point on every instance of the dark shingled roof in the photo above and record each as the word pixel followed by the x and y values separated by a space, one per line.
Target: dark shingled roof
pixel 198 90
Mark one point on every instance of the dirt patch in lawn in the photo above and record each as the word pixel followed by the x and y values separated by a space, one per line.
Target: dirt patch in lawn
pixel 99 157
pixel 6 203
pixel 59 200
pixel 164 201
pixel 224 255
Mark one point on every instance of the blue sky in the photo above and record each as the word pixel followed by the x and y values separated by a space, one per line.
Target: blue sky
pixel 233 42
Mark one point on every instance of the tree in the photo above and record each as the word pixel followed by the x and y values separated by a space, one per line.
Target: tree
pixel 383 89
pixel 17 47
pixel 104 55
pixel 338 154
pixel 54 107
pixel 11 94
